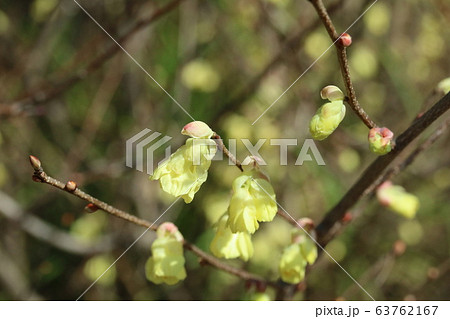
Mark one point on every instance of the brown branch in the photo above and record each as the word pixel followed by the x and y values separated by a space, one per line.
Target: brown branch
pixel 24 105
pixel 395 170
pixel 224 149
pixel 372 174
pixel 70 187
pixel 343 62
pixel 292 43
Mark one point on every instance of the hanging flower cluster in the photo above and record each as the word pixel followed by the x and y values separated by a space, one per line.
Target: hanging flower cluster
pixel 329 115
pixel 253 201
pixel 301 252
pixel 397 199
pixel 187 169
pixel 166 265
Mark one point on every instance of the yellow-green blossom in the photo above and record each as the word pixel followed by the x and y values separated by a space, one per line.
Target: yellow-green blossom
pixel 260 296
pixel 166 265
pixel 397 199
pixel 292 264
pixel 228 245
pixel 307 245
pixel 380 140
pixel 444 86
pixel 186 169
pixel 296 256
pixel 329 115
pixel 253 201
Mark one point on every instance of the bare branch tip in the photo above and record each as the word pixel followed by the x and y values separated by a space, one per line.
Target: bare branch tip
pixel 35 163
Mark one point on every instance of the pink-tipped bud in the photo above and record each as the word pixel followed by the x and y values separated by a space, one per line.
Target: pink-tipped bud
pixel 346 39
pixel 168 229
pixel 71 186
pixel 380 140
pixel 35 163
pixel 90 208
pixel 197 129
pixel 332 93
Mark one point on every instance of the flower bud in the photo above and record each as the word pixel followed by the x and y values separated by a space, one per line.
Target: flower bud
pixel 71 186
pixel 380 140
pixel 332 93
pixel 327 119
pixel 169 229
pixel 397 199
pixel 90 208
pixel 197 129
pixel 35 163
pixel 444 86
pixel 346 39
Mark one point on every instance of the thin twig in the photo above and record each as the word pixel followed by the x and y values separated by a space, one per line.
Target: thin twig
pixel 23 106
pixel 343 62
pixel 371 175
pixel 224 149
pixel 291 44
pixel 40 176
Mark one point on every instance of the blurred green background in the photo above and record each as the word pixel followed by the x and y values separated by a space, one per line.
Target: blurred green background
pixel 225 62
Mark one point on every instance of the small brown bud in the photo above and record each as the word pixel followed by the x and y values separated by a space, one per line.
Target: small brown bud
pixel 346 39
pixel 261 286
pixel 399 248
pixel 347 217
pixel 71 186
pixel 36 179
pixel 90 208
pixel 433 273
pixel 301 286
pixel 306 223
pixel 35 163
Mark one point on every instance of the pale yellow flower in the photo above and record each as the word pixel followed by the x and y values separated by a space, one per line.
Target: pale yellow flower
pixel 397 199
pixel 166 265
pixel 253 201
pixel 228 245
pixel 186 169
pixel 296 256
pixel 292 264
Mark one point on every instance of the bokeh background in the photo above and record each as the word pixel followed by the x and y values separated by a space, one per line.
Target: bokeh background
pixel 225 62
